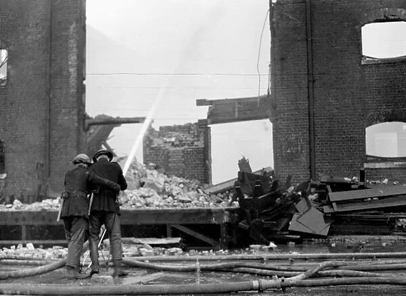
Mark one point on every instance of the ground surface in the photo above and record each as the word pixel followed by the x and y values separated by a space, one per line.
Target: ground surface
pixel 153 277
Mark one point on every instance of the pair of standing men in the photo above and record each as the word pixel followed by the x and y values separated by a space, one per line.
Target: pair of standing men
pixel 105 179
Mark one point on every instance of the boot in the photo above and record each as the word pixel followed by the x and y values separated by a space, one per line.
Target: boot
pixel 74 274
pixel 94 256
pixel 118 269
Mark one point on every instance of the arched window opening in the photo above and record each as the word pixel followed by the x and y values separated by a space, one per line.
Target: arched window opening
pixel 384 40
pixel 3 66
pixel 386 140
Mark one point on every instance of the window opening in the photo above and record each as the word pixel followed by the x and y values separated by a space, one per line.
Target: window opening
pixel 3 66
pixel 386 140
pixel 384 40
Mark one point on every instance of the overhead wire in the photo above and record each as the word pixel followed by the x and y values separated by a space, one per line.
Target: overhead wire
pixel 171 74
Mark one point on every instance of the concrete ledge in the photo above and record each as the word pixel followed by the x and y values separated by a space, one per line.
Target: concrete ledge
pixel 384 165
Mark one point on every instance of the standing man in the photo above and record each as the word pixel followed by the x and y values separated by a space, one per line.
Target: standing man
pixel 105 209
pixel 74 210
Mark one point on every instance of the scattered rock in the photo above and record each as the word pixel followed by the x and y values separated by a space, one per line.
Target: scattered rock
pixel 102 279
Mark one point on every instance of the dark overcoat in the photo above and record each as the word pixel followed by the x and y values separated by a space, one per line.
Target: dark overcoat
pixel 105 199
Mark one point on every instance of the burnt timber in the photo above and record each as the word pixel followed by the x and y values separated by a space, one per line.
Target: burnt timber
pixel 235 110
pixel 99 128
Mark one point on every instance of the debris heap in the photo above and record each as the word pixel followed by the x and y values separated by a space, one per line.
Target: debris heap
pixel 151 187
pixel 315 209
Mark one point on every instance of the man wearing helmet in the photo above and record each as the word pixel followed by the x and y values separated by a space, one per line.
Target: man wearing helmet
pixel 105 209
pixel 74 211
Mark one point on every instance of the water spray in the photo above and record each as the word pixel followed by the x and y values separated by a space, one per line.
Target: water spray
pixel 144 129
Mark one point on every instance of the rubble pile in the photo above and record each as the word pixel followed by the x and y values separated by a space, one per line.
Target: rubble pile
pixel 46 204
pixel 329 206
pixel 150 187
pixel 29 252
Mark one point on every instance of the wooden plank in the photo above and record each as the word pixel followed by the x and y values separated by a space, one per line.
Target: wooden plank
pixel 168 231
pixel 236 110
pixel 367 193
pixel 152 240
pixel 23 232
pixel 223 236
pixel 373 204
pixel 35 242
pixel 314 220
pixel 368 216
pixel 29 218
pixel 149 241
pixel 145 278
pixel 176 216
pixel 346 229
pixel 297 226
pixel 328 209
pixel 129 217
pixel 200 236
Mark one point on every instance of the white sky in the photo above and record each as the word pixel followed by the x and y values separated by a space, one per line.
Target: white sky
pixel 384 40
pixel 163 55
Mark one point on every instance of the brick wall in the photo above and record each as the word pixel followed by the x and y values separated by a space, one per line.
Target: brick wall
pixel 181 150
pixel 42 102
pixel 348 96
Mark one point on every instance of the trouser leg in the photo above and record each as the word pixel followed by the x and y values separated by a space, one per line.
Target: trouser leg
pixel 114 228
pixel 94 231
pixel 94 255
pixel 77 239
pixel 67 224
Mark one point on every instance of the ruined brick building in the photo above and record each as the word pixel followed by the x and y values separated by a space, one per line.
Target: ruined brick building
pixel 42 110
pixel 180 150
pixel 325 92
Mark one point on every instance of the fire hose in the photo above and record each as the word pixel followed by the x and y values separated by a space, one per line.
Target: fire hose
pixel 37 270
pixel 350 269
pixel 372 265
pixel 267 257
pixel 300 280
pixel 261 285
pixel 270 270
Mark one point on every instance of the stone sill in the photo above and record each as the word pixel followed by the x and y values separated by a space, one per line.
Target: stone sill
pixel 385 165
pixel 372 61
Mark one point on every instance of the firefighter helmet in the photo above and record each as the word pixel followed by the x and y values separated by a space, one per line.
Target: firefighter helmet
pixel 106 152
pixel 81 158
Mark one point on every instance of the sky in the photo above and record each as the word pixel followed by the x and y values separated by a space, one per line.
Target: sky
pixel 384 40
pixel 155 58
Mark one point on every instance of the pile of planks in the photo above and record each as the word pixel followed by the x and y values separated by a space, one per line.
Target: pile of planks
pixel 330 206
pixel 272 211
pixel 355 207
